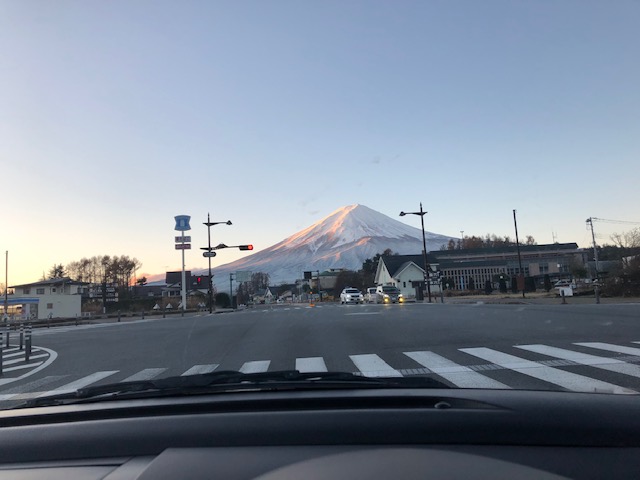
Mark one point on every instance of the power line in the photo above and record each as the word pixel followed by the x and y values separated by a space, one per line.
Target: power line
pixel 624 222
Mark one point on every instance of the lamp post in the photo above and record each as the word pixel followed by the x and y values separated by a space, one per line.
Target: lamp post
pixel 427 280
pixel 210 253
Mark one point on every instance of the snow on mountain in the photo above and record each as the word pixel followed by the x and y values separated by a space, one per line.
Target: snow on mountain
pixel 343 239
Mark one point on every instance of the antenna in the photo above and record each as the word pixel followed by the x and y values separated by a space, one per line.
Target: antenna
pixel 554 236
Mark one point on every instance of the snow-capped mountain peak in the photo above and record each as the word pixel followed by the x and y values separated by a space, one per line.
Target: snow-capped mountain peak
pixel 343 239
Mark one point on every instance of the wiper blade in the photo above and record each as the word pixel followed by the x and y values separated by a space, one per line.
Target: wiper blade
pixel 230 380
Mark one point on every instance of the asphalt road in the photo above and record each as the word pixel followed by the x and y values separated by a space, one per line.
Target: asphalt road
pixel 572 347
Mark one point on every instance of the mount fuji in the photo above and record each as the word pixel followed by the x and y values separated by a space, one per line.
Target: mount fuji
pixel 343 239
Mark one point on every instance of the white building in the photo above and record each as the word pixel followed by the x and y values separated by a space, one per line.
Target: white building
pixel 53 298
pixel 405 273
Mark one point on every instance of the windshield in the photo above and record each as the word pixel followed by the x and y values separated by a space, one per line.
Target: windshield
pixel 190 186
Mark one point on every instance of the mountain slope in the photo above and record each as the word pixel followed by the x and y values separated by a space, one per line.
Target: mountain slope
pixel 343 239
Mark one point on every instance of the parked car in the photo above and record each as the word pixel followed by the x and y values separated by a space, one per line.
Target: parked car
pixel 351 295
pixel 370 296
pixel 388 294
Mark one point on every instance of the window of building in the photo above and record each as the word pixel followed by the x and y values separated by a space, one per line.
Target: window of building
pixel 40 291
pixel 49 306
pixel 27 291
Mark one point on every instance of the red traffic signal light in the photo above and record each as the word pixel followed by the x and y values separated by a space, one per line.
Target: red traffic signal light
pixel 245 247
pixel 198 280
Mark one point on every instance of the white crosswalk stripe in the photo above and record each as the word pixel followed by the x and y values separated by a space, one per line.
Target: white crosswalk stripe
pixel 459 375
pixel 604 363
pixel 311 364
pixel 470 375
pixel 611 348
pixel 562 378
pixel 256 366
pixel 146 374
pixel 198 369
pixel 371 365
pixel 81 383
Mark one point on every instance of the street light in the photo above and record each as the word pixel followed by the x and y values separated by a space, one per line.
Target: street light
pixel 427 280
pixel 210 253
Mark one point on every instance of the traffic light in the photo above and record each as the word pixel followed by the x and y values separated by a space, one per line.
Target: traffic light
pixel 199 280
pixel 245 247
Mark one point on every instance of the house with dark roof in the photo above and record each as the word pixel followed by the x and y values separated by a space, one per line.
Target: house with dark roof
pixel 406 272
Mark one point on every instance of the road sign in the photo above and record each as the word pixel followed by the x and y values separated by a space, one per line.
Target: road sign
pixel 209 254
pixel 185 239
pixel 182 222
pixel 243 276
pixel 183 246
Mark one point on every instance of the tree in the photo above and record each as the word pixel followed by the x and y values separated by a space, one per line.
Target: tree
pixel 57 271
pixel 451 244
pixel 488 288
pixel 529 284
pixel 222 300
pixel 142 281
pixel 348 278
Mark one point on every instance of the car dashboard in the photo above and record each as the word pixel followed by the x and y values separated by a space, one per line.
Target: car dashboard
pixel 360 433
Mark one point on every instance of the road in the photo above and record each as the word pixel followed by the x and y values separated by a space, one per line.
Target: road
pixel 571 347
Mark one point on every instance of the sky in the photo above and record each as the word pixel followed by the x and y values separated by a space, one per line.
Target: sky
pixel 117 116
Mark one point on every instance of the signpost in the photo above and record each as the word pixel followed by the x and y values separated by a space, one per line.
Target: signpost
pixel 182 225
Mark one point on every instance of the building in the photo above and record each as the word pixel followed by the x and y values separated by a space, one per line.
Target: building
pixel 464 268
pixel 406 272
pixel 460 267
pixel 53 298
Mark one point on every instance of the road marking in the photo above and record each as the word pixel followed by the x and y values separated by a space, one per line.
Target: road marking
pixel 604 363
pixel 258 366
pixel 311 364
pixel 146 374
pixel 18 360
pixel 371 365
pixel 562 378
pixel 199 369
pixel 459 375
pixel 52 356
pixel 82 382
pixel 611 348
pixel 363 313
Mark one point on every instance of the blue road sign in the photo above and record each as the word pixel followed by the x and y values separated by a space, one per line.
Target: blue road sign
pixel 182 222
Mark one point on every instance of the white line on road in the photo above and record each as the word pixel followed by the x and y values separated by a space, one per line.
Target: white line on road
pixel 371 365
pixel 604 363
pixel 198 369
pixel 82 382
pixel 459 375
pixel 18 360
pixel 311 364
pixel 52 356
pixel 256 366
pixel 611 348
pixel 568 380
pixel 146 374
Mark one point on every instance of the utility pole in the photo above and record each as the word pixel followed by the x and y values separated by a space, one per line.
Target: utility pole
pixel 520 272
pixel 6 285
pixel 595 257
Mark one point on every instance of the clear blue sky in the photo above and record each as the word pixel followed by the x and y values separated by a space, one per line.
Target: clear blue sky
pixel 117 115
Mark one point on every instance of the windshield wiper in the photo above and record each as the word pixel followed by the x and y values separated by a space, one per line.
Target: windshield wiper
pixel 228 381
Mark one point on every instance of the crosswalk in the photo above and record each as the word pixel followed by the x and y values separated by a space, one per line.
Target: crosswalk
pixel 581 366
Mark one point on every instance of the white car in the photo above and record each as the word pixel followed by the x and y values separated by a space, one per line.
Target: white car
pixel 370 296
pixel 351 295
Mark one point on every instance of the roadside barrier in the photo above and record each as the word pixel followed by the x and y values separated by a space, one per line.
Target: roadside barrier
pixel 22 336
pixel 8 331
pixel 27 344
pixel 0 353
